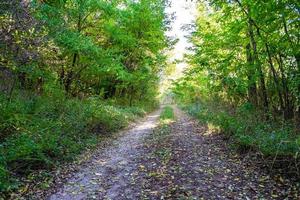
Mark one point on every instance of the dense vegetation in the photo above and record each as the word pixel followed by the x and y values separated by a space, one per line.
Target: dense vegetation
pixel 244 77
pixel 70 72
pixel 167 113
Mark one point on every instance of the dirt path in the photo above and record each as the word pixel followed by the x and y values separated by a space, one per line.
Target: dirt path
pixel 107 174
pixel 181 161
pixel 200 165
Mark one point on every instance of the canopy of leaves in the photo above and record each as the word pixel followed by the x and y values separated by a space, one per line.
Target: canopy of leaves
pixel 246 51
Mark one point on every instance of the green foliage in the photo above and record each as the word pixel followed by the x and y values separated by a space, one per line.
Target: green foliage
pixel 274 138
pixel 42 131
pixel 167 114
pixel 71 72
pixel 243 78
pixel 118 54
pixel 245 51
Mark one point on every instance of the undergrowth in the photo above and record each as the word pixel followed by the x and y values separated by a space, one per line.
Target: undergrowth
pixel 167 114
pixel 163 130
pixel 163 152
pixel 41 132
pixel 273 138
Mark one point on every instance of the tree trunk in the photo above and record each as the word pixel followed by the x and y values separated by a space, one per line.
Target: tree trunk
pixel 252 90
pixel 275 77
pixel 264 95
pixel 69 77
pixel 288 112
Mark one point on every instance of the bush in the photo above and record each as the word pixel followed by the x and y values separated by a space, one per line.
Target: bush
pixel 167 113
pixel 247 127
pixel 42 131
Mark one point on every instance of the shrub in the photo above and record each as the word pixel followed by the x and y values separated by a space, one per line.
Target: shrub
pixel 167 113
pixel 247 127
pixel 42 131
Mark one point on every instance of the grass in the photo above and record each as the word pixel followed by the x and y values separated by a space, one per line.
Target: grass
pixel 167 114
pixel 273 138
pixel 38 133
pixel 163 152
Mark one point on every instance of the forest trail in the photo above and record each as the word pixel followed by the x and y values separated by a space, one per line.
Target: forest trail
pixel 185 161
pixel 107 174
